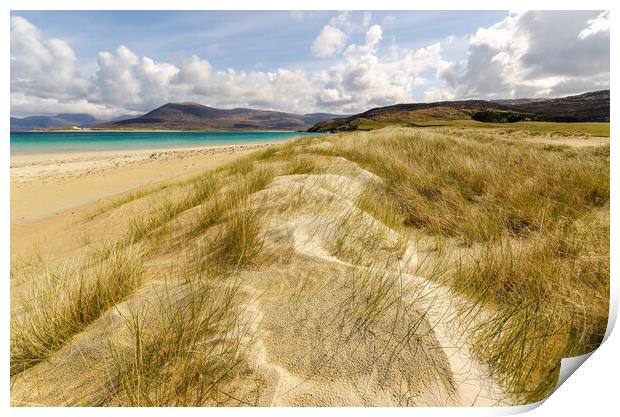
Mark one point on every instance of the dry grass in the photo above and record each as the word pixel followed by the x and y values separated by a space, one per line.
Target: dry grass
pixel 533 128
pixel 66 301
pixel 238 239
pixel 195 341
pixel 127 198
pixel 520 230
pixel 484 188
pixel 361 240
pixel 197 191
pixel 535 219
pixel 242 166
pixel 300 165
pixel 70 299
pixel 550 298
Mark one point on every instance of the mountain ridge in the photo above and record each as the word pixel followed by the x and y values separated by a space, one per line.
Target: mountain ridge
pixel 29 123
pixel 194 116
pixel 586 107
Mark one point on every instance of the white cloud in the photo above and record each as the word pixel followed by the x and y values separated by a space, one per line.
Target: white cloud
pixel 600 24
pixel 535 53
pixel 115 81
pixel 194 71
pixel 25 105
pixel 373 36
pixel 330 41
pixel 334 36
pixel 357 78
pixel 44 65
pixel 525 54
pixel 362 78
pixel 438 94
pixel 128 81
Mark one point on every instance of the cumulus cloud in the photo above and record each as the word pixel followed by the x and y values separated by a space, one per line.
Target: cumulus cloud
pixel 525 54
pixel 357 78
pixel 330 41
pixel 362 75
pixel 334 36
pixel 556 49
pixel 44 65
pixel 126 80
pixel 535 53
pixel 280 89
pixel 195 71
pixel 600 24
pixel 26 105
pixel 373 36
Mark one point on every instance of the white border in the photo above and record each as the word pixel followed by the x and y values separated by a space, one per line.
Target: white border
pixel 593 387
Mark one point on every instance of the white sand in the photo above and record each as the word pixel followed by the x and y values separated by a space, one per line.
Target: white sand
pixel 26 167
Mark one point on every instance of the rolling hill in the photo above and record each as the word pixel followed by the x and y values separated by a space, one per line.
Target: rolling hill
pixel 588 107
pixel 45 122
pixel 192 116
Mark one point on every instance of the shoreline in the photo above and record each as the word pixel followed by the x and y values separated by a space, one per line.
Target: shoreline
pixel 29 144
pixel 50 187
pixel 87 130
pixel 65 154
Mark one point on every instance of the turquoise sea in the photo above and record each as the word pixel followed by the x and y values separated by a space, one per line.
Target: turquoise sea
pixel 59 142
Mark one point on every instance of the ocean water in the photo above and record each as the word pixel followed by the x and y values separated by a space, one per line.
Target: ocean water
pixel 60 142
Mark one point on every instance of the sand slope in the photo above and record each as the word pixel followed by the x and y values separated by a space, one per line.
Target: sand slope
pixel 323 327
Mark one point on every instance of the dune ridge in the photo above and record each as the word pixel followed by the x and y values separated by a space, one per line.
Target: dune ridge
pixel 302 275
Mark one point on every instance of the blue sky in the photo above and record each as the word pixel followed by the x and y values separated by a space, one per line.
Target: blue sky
pixel 337 61
pixel 240 40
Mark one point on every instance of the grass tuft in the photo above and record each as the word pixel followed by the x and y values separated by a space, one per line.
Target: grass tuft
pixel 68 300
pixel 195 341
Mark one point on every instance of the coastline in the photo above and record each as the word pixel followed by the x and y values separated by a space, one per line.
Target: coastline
pixel 38 143
pixel 52 188
pixel 20 160
pixel 87 130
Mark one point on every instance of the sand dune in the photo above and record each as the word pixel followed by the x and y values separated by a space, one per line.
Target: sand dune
pixel 275 280
pixel 303 353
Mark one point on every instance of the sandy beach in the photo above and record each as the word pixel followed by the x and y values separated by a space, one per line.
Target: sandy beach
pixel 49 190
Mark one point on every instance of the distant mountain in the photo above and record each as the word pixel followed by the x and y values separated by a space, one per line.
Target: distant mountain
pixel 410 113
pixel 588 107
pixel 192 116
pixel 119 118
pixel 313 118
pixel 44 122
